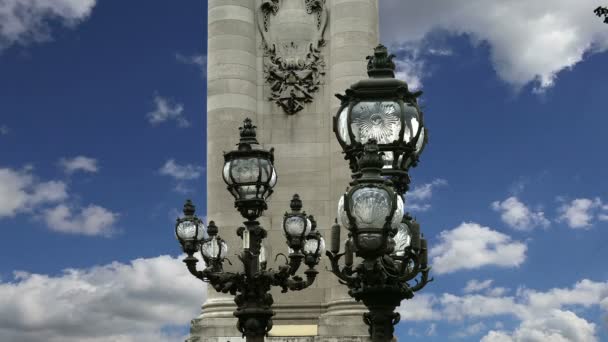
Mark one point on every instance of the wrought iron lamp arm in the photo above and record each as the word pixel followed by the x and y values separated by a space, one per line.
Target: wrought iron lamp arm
pixel 344 274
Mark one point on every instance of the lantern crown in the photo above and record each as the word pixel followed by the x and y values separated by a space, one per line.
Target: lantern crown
pixel 380 64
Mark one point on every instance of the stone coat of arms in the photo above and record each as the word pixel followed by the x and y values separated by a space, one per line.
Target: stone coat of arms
pixel 293 35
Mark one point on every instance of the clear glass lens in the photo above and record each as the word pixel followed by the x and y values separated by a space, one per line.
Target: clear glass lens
pixel 342 213
pixel 295 226
pixel 420 142
pixel 412 124
pixel 308 226
pixel 370 207
pixel 186 230
pixel 378 120
pixel 343 126
pixel 226 173
pixel 273 178
pixel 398 216
pixel 322 249
pixel 388 160
pixel 402 239
pixel 266 168
pixel 248 191
pixel 290 251
pixel 209 248
pixel 262 256
pixel 245 170
pixel 223 250
pixel 311 246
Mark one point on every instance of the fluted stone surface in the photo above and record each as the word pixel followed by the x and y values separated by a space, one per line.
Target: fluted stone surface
pixel 308 158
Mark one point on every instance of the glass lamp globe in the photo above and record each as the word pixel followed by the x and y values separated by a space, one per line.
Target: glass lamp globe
pixel 190 230
pixel 296 226
pixel 382 108
pixel 370 207
pixel 402 239
pixel 314 246
pixel 214 248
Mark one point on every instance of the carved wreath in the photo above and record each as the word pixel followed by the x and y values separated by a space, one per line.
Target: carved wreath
pixel 293 81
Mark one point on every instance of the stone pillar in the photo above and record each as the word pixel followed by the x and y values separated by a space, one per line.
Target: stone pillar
pixel 354 28
pixel 231 97
pixel 308 158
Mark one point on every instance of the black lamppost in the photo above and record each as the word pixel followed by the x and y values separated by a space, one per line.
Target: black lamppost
pixel 602 12
pixel 250 176
pixel 381 130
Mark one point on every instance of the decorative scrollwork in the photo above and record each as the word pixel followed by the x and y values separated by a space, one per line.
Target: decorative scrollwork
pixel 293 69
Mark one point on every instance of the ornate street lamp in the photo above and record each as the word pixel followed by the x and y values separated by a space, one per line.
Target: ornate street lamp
pixel 389 243
pixel 250 176
pixel 382 108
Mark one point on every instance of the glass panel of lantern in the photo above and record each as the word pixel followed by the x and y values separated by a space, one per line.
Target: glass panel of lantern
pixel 190 230
pixel 214 249
pixel 244 175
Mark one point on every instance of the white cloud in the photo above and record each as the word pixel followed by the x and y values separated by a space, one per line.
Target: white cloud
pixel 417 198
pixel 30 21
pixel 181 172
pixel 471 330
pixel 580 212
pixel 20 191
pixel 119 302
pixel 4 130
pixel 529 41
pixel 92 220
pixel 555 326
pixel 545 314
pixel 518 216
pixel 419 308
pixel 475 285
pixel 471 246
pixel 411 70
pixel 79 163
pixel 199 61
pixel 166 110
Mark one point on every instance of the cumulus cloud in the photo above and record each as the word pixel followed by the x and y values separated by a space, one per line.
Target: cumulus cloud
pixel 28 21
pixel 529 41
pixel 556 326
pixel 166 110
pixel 132 302
pixel 200 61
pixel 20 191
pixel 475 285
pixel 92 220
pixel 518 216
pixel 581 212
pixel 419 308
pixel 417 199
pixel 472 246
pixel 181 172
pixel 79 163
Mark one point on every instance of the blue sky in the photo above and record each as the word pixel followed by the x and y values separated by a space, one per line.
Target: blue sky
pixel 102 136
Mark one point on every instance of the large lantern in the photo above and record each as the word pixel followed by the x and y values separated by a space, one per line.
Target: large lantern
pixel 382 108
pixel 371 209
pixel 249 173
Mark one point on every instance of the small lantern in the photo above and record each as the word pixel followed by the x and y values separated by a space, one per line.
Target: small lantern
pixel 382 108
pixel 314 246
pixel 296 225
pixel 249 173
pixel 371 209
pixel 214 249
pixel 189 230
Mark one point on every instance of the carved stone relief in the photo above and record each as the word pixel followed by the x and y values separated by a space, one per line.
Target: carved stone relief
pixel 293 63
